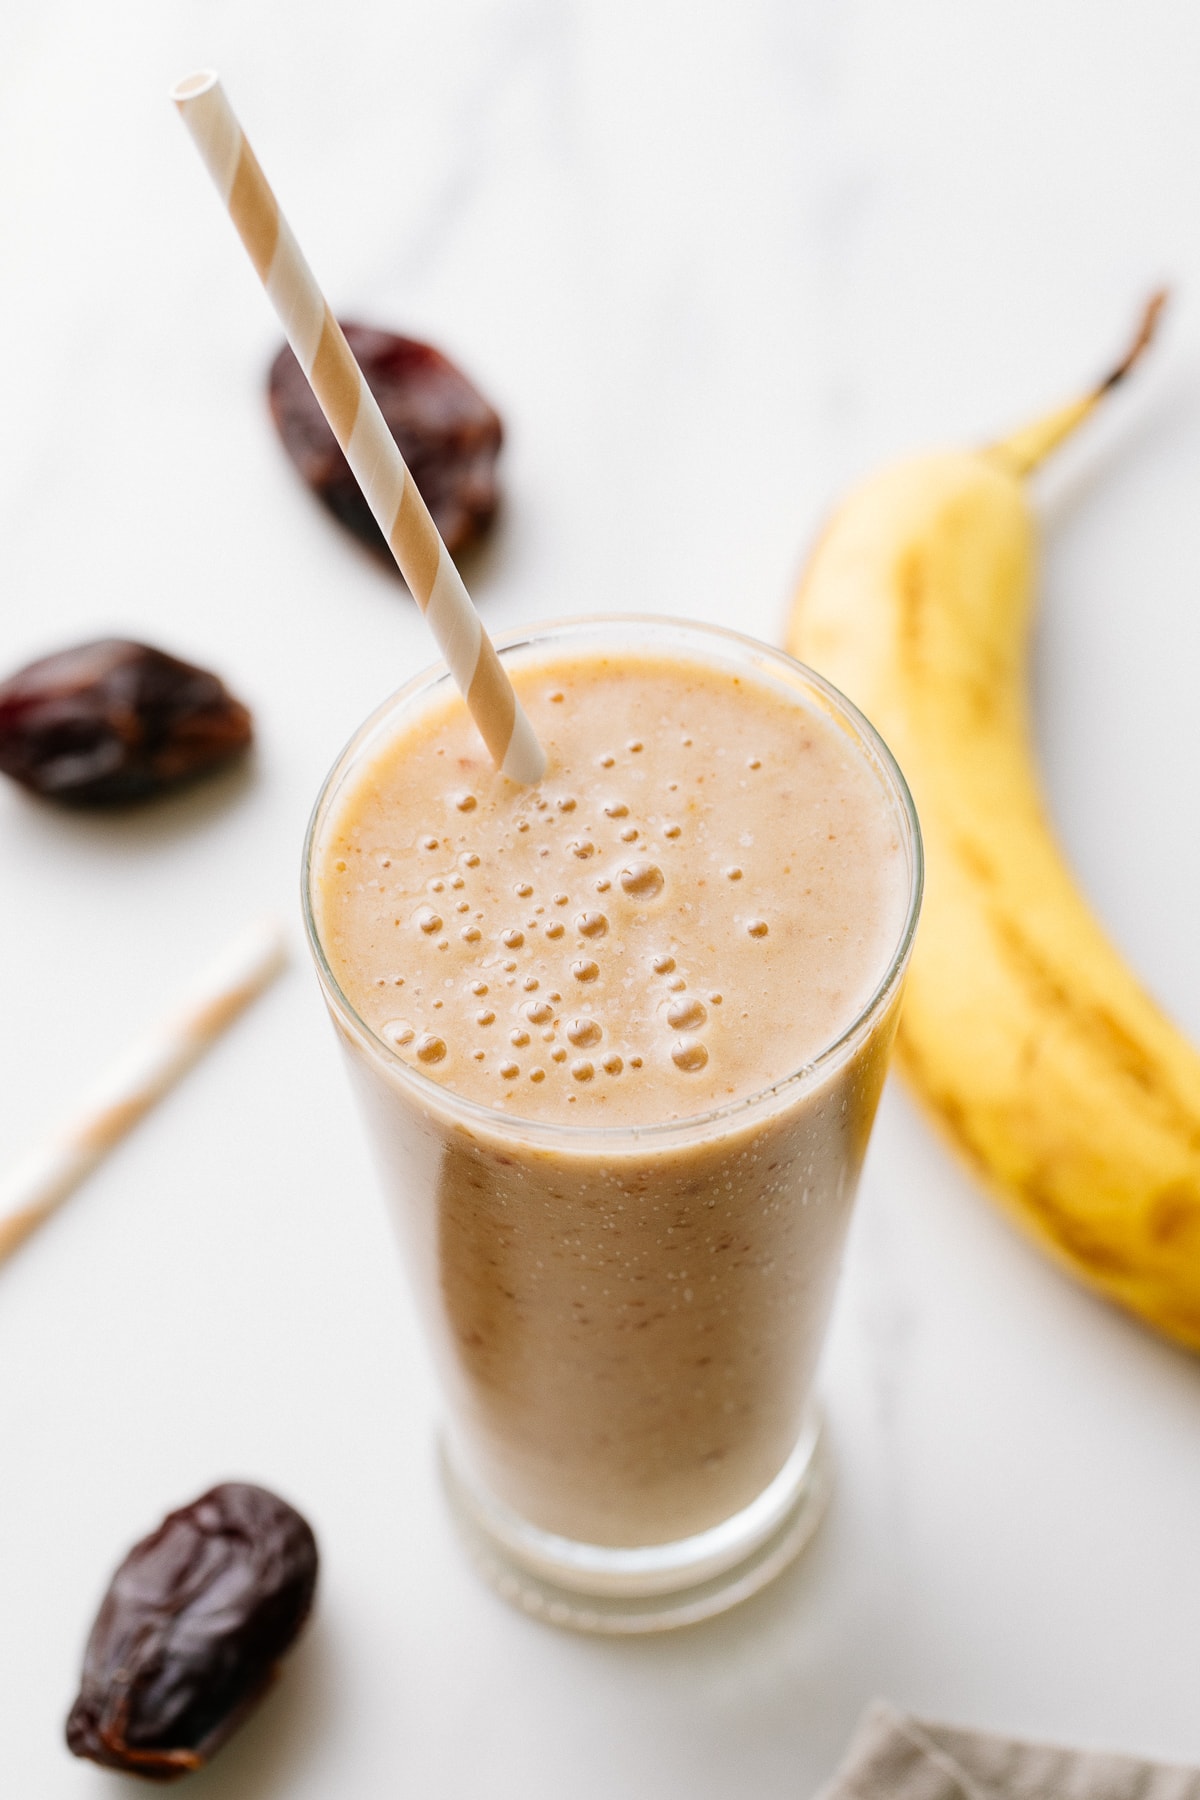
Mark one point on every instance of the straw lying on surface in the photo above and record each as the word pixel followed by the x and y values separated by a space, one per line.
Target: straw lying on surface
pixel 44 1178
pixel 353 413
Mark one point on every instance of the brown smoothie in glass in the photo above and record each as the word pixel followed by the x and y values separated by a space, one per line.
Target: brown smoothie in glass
pixel 625 1270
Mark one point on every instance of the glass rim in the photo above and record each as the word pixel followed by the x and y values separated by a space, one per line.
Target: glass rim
pixel 436 1095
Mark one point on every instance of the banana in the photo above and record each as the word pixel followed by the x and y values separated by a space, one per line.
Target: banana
pixel 1023 1032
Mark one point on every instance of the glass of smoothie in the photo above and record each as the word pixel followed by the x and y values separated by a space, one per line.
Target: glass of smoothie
pixel 619 1041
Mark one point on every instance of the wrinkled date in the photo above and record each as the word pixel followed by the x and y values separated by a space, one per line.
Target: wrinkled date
pixel 114 721
pixel 188 1636
pixel 447 433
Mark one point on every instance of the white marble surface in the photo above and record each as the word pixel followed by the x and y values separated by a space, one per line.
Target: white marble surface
pixel 712 261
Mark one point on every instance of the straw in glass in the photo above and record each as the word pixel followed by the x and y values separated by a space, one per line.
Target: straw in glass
pixel 353 413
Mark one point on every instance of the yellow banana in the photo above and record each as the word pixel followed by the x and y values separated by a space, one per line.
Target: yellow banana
pixel 1023 1031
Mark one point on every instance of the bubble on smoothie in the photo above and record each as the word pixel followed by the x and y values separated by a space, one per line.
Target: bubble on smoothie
pixel 466 802
pixel 554 929
pixel 603 885
pixel 663 965
pixel 630 835
pixel 690 1055
pixel 582 848
pixel 613 1065
pixel 686 1015
pixel 470 934
pixel 479 987
pixel 583 1033
pixel 582 1069
pixel 565 804
pixel 558 1055
pixel 538 1012
pixel 398 1032
pixel 585 969
pixel 677 984
pixel 591 924
pixel 430 1047
pixel 537 1074
pixel 458 882
pixel 463 906
pixel 642 880
pixel 523 890
pixel 634 745
pixel 671 831
pixel 606 762
pixel 518 1039
pixel 509 1071
pixel 429 843
pixel 470 860
pixel 616 810
pixel 428 920
pixel 530 984
pixel 734 873
pixel 562 899
pixel 485 1017
pixel 757 928
pixel 512 940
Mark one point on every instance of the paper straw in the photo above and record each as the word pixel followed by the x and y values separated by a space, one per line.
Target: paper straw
pixel 353 413
pixel 42 1179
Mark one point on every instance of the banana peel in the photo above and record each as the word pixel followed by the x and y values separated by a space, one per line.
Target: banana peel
pixel 1024 1034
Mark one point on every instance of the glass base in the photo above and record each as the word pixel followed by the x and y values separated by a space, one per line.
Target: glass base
pixel 592 1587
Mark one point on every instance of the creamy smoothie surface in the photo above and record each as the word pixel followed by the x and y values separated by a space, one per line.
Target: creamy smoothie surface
pixel 701 895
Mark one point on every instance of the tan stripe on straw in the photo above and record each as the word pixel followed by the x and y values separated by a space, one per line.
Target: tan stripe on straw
pixel 19 1225
pixel 252 211
pixel 360 429
pixel 415 529
pixel 491 697
pixel 97 1135
pixel 337 380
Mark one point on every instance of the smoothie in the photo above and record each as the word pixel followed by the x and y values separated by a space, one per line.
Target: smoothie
pixel 621 1039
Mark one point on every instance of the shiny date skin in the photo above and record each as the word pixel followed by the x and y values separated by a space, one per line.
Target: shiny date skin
pixel 109 722
pixel 191 1632
pixel 446 432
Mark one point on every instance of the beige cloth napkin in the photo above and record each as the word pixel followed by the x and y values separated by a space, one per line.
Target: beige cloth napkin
pixel 895 1757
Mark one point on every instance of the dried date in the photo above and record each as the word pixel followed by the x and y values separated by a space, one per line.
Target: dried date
pixel 112 721
pixel 447 433
pixel 191 1630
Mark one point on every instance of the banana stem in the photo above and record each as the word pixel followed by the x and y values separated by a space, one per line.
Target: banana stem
pixel 1021 453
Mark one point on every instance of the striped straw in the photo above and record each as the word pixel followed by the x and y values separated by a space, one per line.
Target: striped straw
pixel 43 1178
pixel 353 413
